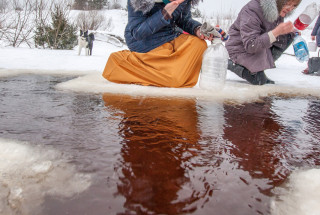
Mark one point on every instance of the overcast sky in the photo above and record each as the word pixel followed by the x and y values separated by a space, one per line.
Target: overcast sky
pixel 224 6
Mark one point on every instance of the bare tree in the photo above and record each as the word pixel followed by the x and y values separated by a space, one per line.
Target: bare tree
pixel 89 4
pixel 114 4
pixel 19 25
pixel 90 20
pixel 43 10
pixel 79 4
pixel 3 5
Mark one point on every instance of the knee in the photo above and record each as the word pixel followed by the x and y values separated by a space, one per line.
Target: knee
pixel 112 55
pixel 110 65
pixel 200 44
pixel 113 59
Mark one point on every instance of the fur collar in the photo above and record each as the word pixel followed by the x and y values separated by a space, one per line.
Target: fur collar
pixel 146 5
pixel 271 9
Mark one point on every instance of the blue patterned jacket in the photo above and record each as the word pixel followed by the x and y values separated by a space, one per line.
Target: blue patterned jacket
pixel 147 28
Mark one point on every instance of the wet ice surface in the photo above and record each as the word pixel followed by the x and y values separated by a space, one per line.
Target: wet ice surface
pixel 153 155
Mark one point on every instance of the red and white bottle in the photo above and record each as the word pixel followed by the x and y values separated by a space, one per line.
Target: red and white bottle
pixel 306 17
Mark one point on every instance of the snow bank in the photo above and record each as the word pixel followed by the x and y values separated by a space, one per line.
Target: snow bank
pixel 237 91
pixel 29 173
pixel 300 196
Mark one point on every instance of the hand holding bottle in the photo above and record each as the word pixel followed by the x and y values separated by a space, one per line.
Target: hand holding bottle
pixel 283 28
pixel 202 36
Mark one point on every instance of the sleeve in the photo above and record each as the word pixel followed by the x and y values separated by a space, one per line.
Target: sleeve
pixel 316 27
pixel 142 25
pixel 252 35
pixel 182 17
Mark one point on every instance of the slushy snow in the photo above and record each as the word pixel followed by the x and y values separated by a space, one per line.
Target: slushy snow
pixel 29 173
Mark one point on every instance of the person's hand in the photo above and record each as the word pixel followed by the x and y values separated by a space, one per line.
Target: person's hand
pixel 283 28
pixel 203 37
pixel 313 38
pixel 172 6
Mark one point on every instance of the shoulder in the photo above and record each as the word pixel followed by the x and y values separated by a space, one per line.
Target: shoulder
pixel 252 10
pixel 143 6
pixel 263 10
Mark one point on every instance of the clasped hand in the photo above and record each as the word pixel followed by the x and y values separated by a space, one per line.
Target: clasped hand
pixel 283 28
pixel 172 6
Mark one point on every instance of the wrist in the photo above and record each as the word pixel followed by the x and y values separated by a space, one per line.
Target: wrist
pixel 275 32
pixel 165 14
pixel 196 30
pixel 272 37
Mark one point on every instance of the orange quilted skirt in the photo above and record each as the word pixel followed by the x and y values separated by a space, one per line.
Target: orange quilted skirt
pixel 174 64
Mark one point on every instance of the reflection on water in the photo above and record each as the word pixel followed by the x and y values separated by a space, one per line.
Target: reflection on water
pixel 164 156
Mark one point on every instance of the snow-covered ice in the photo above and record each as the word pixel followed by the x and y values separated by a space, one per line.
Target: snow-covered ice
pixel 300 195
pixel 13 61
pixel 29 173
pixel 15 156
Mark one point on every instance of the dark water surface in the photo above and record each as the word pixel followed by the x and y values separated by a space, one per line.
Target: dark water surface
pixel 164 155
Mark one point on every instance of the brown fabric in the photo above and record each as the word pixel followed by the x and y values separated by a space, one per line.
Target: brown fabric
pixel 174 64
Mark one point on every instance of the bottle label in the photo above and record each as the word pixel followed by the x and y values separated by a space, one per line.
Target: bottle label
pixel 302 22
pixel 300 45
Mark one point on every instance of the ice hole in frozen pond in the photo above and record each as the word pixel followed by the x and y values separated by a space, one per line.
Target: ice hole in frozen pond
pixel 29 173
pixel 210 115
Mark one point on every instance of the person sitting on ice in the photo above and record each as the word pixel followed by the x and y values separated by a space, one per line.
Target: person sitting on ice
pixel 258 37
pixel 159 55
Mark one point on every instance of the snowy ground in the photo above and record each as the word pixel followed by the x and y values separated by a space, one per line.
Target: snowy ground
pixel 13 61
pixel 288 77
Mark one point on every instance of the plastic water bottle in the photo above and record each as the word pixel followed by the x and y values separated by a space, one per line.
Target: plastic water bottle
pixel 306 17
pixel 300 48
pixel 214 66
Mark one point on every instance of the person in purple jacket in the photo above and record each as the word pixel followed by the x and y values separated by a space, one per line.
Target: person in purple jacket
pixel 315 35
pixel 258 37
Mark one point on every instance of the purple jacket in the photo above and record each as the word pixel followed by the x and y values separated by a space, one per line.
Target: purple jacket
pixel 249 44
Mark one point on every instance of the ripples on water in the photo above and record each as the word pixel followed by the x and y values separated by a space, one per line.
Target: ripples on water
pixel 163 156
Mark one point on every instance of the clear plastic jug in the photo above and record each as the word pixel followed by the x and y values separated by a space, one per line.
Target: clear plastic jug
pixel 214 66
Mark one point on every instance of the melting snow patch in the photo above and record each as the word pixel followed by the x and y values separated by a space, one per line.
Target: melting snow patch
pixel 28 173
pixel 300 196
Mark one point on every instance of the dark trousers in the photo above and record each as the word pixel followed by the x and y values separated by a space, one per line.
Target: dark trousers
pixel 259 78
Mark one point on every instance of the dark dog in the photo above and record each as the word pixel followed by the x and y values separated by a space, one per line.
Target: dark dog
pixel 90 43
pixel 85 41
